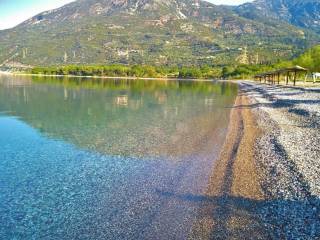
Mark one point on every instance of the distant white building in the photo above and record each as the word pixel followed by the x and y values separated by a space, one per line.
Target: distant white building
pixel 315 76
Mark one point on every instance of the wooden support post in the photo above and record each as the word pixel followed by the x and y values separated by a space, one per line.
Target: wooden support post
pixel 287 80
pixel 295 78
pixel 278 78
pixel 305 78
pixel 272 78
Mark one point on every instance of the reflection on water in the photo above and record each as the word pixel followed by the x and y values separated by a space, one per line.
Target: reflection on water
pixel 122 100
pixel 83 158
pixel 125 117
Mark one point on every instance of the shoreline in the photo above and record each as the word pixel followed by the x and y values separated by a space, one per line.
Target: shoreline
pixel 258 187
pixel 265 183
pixel 233 191
pixel 116 77
pixel 300 85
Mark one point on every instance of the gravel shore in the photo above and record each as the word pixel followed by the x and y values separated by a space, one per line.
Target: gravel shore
pixel 266 183
pixel 287 156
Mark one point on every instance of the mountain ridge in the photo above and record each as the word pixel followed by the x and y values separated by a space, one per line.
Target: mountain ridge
pixel 300 13
pixel 167 32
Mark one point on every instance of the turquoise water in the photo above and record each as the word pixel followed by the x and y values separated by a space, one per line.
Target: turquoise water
pixel 103 159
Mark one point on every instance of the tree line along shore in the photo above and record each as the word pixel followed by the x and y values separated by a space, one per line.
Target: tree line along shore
pixel 204 72
pixel 310 60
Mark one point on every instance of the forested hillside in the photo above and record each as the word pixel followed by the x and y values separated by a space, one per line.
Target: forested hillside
pixel 153 32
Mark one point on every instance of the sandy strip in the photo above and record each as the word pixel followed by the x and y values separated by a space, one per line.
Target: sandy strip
pixel 234 192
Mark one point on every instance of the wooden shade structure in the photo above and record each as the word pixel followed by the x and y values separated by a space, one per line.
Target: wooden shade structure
pixel 271 76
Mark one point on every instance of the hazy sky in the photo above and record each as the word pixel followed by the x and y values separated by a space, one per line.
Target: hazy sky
pixel 13 12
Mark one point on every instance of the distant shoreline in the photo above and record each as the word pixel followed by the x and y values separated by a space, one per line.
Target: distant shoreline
pixel 116 77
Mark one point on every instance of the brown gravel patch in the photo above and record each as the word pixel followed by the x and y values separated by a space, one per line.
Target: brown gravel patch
pixel 245 178
pixel 229 207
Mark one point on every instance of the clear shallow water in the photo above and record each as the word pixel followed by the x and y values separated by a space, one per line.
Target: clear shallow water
pixel 104 159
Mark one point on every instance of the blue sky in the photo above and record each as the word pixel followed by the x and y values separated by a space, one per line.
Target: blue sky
pixel 13 12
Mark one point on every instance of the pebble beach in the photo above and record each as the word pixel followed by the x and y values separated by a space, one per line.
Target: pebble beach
pixel 287 157
pixel 265 184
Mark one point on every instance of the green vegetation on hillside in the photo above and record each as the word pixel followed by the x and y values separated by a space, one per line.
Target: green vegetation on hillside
pixel 204 35
pixel 310 59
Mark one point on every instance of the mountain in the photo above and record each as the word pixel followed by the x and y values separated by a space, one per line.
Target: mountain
pixel 301 13
pixel 157 32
